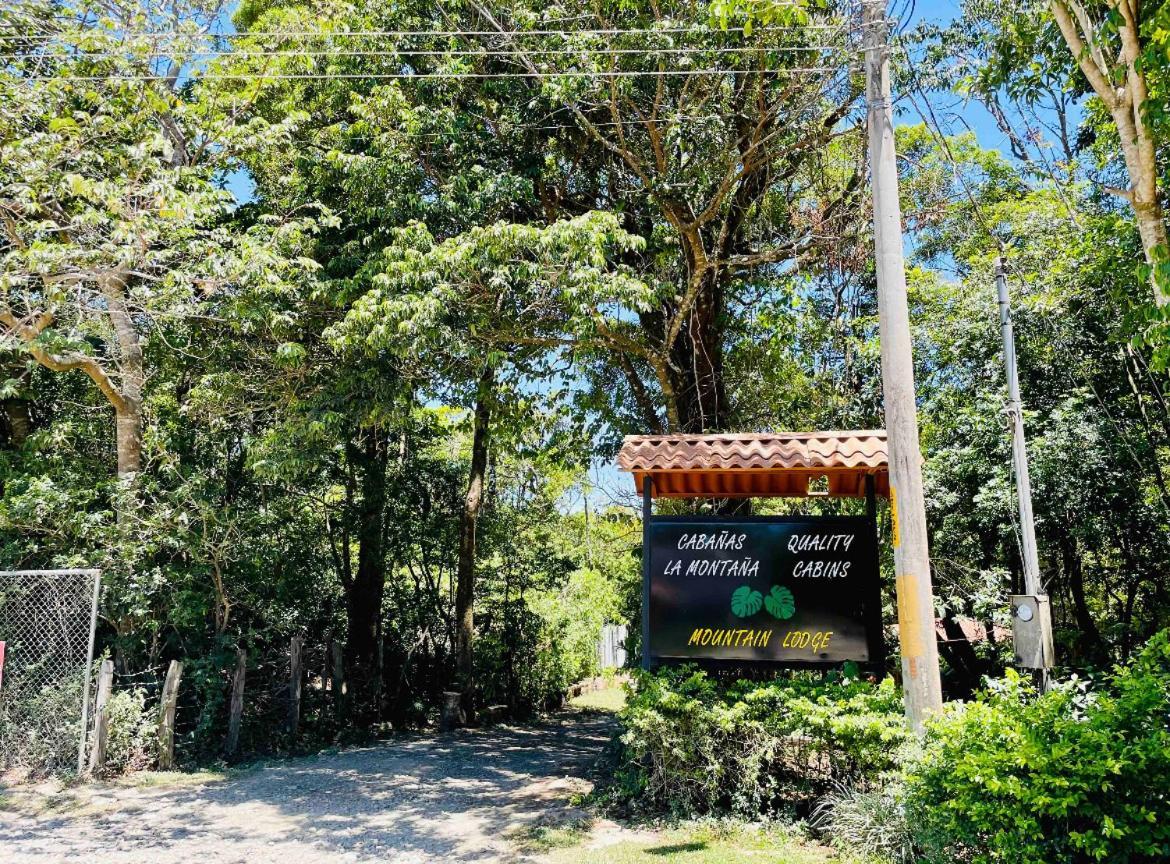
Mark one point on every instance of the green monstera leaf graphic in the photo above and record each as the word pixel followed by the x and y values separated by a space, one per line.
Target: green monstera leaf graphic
pixel 746 601
pixel 780 603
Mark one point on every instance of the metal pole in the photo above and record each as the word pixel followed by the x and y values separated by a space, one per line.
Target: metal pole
pixel 1031 625
pixel 920 673
pixel 93 611
pixel 647 490
pixel 1019 450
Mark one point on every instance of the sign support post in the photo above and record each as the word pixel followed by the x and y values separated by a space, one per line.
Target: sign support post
pixel 877 651
pixel 647 490
pixel 921 682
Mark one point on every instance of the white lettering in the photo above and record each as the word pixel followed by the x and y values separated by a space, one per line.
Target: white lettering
pixel 820 542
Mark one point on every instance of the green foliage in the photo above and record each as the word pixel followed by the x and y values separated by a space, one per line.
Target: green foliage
pixel 693 746
pixel 750 14
pixel 870 821
pixel 133 732
pixel 39 731
pixel 1078 774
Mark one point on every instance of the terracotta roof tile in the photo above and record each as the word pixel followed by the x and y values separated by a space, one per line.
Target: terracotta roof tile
pixel 756 465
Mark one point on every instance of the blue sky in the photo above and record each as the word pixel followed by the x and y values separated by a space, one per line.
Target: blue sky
pixel 957 117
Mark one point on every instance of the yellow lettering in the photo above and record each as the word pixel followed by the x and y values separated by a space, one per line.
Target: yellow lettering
pixel 815 641
pixel 694 640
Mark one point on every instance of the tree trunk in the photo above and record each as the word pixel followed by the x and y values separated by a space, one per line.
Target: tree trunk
pixel 128 420
pixel 128 409
pixel 472 503
pixel 1121 85
pixel 1089 643
pixel 966 667
pixel 18 420
pixel 363 600
pixel 697 366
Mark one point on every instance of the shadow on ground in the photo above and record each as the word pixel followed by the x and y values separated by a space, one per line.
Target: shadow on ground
pixel 457 797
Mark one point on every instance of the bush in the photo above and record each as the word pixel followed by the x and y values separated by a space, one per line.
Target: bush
pixel 132 744
pixel 692 746
pixel 872 821
pixel 1074 775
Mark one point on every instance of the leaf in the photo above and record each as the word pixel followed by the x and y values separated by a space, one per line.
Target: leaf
pixel 780 603
pixel 746 601
pixel 290 354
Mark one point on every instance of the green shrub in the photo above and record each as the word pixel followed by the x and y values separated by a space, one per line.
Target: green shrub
pixel 692 746
pixel 870 821
pixel 132 744
pixel 1074 775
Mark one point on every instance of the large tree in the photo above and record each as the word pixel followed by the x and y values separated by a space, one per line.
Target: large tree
pixel 1077 86
pixel 1110 42
pixel 712 147
pixel 110 212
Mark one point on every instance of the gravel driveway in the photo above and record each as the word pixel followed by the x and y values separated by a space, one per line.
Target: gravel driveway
pixel 458 797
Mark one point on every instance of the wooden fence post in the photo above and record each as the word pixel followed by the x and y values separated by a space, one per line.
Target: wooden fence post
pixel 338 682
pixel 326 659
pixel 166 716
pixel 451 715
pixel 294 685
pixel 236 715
pixel 101 722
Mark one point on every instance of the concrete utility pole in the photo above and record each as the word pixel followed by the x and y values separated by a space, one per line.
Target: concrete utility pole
pixel 920 675
pixel 1031 614
pixel 1015 414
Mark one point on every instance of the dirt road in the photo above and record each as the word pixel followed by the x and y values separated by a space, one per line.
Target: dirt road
pixel 463 797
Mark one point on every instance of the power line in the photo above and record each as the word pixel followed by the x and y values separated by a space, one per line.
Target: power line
pixel 406 76
pixel 367 34
pixel 484 52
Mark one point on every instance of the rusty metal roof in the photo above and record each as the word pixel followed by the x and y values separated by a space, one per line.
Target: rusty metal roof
pixel 772 464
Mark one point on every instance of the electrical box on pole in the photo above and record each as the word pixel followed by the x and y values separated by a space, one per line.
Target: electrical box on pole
pixel 1031 618
pixel 921 681
pixel 1032 631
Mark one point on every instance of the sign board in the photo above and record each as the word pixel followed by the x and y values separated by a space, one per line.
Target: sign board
pixel 792 591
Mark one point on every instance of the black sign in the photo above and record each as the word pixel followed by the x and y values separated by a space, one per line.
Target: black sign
pixel 793 591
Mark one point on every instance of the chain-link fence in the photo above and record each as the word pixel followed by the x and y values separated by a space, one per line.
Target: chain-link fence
pixel 47 620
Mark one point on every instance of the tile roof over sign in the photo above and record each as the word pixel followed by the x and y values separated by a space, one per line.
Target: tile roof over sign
pixel 757 465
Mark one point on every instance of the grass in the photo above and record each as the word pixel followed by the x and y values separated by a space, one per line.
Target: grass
pixel 169 779
pixel 694 843
pixel 610 700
